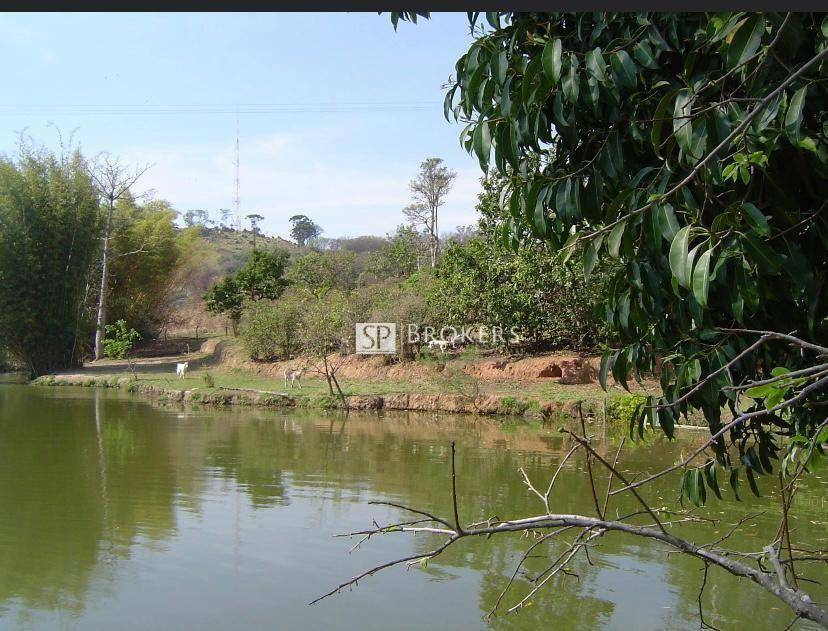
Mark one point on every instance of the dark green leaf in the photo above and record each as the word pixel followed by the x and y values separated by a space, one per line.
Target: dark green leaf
pixel 614 240
pixel 624 66
pixel 571 82
pixel 793 117
pixel 760 254
pixel 678 257
pixel 596 66
pixel 661 117
pixel 500 64
pixel 746 40
pixel 590 259
pixel 752 481
pixel 666 422
pixel 607 360
pixel 482 140
pixel 551 59
pixel 701 278
pixel 734 483
pixel 710 478
pixel 644 55
pixel 756 219
pixel 682 123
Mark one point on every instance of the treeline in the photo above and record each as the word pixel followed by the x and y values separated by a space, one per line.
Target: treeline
pixel 51 229
pixel 308 306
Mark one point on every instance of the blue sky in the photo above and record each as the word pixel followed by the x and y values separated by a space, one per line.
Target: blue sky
pixel 365 107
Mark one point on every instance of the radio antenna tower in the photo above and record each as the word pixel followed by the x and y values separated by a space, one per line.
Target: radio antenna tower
pixel 237 198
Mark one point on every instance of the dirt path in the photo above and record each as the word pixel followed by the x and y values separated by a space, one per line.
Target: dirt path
pixel 210 355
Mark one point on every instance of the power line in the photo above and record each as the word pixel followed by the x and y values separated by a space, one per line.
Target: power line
pixel 246 108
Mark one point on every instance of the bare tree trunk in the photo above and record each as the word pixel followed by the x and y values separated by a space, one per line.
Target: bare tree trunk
pixel 339 390
pixel 100 325
pixel 435 239
pixel 327 373
pixel 113 183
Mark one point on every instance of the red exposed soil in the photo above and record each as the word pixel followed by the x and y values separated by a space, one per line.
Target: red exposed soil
pixel 566 368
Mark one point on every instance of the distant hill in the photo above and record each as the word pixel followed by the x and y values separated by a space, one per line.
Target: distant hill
pixel 222 251
pixel 229 248
pixel 219 252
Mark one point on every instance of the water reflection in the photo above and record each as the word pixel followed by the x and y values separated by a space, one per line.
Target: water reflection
pixel 112 509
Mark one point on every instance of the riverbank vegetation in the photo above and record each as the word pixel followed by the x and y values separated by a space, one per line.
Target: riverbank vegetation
pixel 476 281
pixel 52 224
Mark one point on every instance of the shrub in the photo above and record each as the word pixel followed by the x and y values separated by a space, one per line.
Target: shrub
pixel 620 408
pixel 119 340
pixel 510 405
pixel 271 329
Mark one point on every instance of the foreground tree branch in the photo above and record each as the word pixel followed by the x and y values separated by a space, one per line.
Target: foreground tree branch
pixel 551 525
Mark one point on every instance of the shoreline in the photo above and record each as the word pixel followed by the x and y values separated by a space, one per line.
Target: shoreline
pixel 614 408
pixel 479 405
pixel 489 386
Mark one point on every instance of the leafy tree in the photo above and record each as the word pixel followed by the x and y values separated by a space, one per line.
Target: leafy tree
pixel 321 271
pixel 428 190
pixel 326 327
pixel 197 217
pixel 226 297
pixel 692 150
pixel 49 247
pixel 549 305
pixel 401 254
pixel 362 245
pixel 147 251
pixel 262 275
pixel 530 288
pixel 462 234
pixel 261 278
pixel 303 229
pixel 254 220
pixel 414 300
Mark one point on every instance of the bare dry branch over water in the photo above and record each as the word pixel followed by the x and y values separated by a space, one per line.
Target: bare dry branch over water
pixel 765 568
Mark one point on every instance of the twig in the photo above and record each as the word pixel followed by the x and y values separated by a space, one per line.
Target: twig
pixel 782 336
pixel 525 556
pixel 800 602
pixel 786 533
pixel 454 491
pixel 629 486
pixel 589 464
pixel 703 624
pixel 612 474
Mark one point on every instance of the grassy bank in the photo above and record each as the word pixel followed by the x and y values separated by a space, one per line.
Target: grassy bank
pixel 454 393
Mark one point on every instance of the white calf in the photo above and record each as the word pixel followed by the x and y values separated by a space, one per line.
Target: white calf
pixel 181 369
pixel 295 375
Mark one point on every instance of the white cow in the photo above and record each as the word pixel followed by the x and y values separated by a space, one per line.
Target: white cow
pixel 181 369
pixel 441 344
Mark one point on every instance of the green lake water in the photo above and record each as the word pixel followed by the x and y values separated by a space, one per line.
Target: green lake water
pixel 117 514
